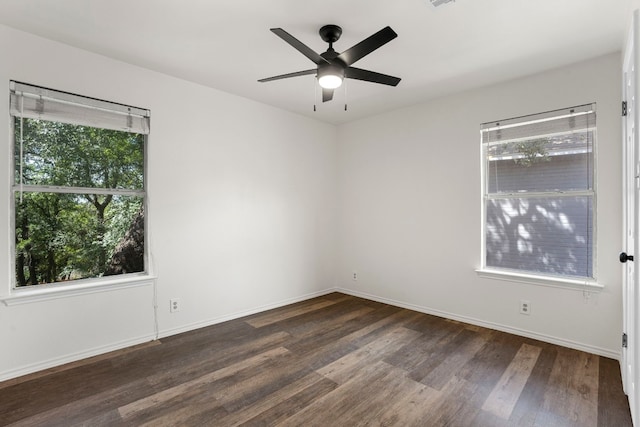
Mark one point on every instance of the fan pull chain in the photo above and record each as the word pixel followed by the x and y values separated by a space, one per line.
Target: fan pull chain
pixel 315 93
pixel 344 82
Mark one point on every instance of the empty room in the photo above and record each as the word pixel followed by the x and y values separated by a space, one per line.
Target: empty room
pixel 319 213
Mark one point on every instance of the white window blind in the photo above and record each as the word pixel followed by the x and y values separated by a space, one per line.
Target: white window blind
pixel 35 102
pixel 539 214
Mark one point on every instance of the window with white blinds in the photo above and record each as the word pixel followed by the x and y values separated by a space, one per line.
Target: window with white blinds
pixel 539 195
pixel 79 188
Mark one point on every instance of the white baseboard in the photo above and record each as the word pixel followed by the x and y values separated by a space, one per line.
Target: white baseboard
pixel 203 324
pixel 58 361
pixel 490 325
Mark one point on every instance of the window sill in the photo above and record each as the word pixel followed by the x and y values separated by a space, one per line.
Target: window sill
pixel 554 282
pixel 26 296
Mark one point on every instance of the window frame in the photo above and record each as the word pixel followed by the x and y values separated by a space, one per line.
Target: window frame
pixel 525 276
pixel 30 293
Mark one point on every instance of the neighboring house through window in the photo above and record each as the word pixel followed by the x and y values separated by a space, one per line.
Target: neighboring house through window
pixel 539 196
pixel 79 187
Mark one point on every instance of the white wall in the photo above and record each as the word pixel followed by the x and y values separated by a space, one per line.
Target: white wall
pixel 242 209
pixel 409 209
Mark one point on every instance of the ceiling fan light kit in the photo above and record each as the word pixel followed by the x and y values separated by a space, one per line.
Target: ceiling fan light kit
pixel 333 67
pixel 330 76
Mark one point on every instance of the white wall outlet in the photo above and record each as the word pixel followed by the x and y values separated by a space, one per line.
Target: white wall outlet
pixel 174 305
pixel 525 307
pixel 354 276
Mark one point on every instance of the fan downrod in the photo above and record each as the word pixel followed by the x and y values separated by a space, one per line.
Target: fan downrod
pixel 330 33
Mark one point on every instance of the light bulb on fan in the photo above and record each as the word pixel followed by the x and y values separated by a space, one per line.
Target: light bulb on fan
pixel 330 77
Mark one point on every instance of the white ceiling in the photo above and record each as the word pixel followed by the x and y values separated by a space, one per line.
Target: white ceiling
pixel 226 44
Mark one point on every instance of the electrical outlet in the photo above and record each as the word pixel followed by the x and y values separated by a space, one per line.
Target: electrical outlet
pixel 525 307
pixel 174 305
pixel 354 277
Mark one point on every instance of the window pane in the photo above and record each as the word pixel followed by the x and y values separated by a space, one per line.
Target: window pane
pixel 551 235
pixel 560 163
pixel 63 154
pixel 61 237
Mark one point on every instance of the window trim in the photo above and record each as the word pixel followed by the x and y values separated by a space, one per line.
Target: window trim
pixel 38 293
pixel 48 291
pixel 569 282
pixel 528 277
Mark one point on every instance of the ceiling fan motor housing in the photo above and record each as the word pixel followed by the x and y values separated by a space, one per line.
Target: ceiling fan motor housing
pixel 330 33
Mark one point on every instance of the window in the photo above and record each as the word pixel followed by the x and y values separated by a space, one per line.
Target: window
pixel 539 197
pixel 78 195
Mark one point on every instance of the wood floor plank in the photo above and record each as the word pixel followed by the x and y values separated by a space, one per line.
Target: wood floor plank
pixel 382 384
pixel 407 406
pixel 73 388
pixel 447 410
pixel 484 371
pixel 257 390
pixel 185 368
pixel 398 401
pixel 370 331
pixel 328 324
pixel 331 331
pixel 487 419
pixel 613 407
pixel 247 391
pixel 201 412
pixel 532 396
pixel 431 325
pixel 229 390
pixel 438 353
pixel 506 393
pixel 110 418
pixel 436 333
pixel 77 411
pixel 283 403
pixel 278 315
pixel 332 407
pixel 159 398
pixel 486 367
pixel 453 363
pixel 571 397
pixel 348 366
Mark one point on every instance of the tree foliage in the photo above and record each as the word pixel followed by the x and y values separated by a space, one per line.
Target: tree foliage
pixel 61 235
pixel 532 151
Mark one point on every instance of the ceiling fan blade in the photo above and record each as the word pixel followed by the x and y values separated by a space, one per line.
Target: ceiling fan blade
pixel 371 76
pixel 327 95
pixel 367 45
pixel 286 76
pixel 299 46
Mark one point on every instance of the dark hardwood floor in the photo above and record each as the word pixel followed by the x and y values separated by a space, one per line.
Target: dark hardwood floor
pixel 336 360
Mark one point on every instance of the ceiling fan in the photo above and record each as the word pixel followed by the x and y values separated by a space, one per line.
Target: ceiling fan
pixel 333 67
